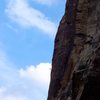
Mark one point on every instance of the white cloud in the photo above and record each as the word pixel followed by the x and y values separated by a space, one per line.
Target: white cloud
pixel 30 83
pixel 5 96
pixel 40 73
pixel 22 13
pixel 46 2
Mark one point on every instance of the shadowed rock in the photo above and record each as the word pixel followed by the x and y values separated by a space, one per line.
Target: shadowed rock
pixel 75 71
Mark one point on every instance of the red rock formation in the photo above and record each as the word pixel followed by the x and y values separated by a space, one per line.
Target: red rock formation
pixel 75 71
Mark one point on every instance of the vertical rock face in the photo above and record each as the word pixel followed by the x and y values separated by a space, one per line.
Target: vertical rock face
pixel 75 71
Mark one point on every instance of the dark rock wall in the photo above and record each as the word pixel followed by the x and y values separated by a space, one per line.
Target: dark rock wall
pixel 75 71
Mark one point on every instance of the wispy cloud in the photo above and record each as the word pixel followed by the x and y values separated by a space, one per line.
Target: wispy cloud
pixel 22 13
pixel 46 2
pixel 11 27
pixel 28 83
pixel 4 63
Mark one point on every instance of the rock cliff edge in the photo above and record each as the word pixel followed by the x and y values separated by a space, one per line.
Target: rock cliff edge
pixel 75 71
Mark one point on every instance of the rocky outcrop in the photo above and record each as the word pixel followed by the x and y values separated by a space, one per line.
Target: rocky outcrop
pixel 75 71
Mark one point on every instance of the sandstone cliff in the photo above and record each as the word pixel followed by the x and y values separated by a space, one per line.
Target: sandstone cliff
pixel 75 71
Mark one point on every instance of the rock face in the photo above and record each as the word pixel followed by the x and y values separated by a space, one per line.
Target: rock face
pixel 75 71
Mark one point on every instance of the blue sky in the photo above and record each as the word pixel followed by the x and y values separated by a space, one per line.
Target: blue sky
pixel 27 31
